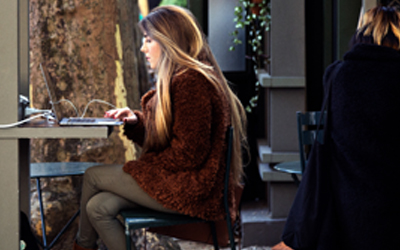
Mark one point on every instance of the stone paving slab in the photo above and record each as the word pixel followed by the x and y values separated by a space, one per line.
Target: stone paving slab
pixel 190 245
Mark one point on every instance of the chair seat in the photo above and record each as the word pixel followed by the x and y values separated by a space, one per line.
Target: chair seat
pixel 143 217
pixel 291 167
pixel 50 170
pixel 59 169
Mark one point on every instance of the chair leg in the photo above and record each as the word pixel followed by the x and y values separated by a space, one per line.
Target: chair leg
pixel 145 239
pixel 39 190
pixel 45 246
pixel 214 235
pixel 64 229
pixel 128 238
pixel 296 179
pixel 231 235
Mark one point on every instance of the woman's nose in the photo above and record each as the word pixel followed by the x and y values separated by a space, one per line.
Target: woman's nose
pixel 142 49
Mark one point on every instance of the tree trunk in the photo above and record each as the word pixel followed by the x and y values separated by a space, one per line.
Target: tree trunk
pixel 91 50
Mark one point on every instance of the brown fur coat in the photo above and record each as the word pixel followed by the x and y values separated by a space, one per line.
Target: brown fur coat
pixel 186 176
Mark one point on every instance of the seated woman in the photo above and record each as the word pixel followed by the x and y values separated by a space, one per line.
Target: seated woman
pixel 363 138
pixel 181 128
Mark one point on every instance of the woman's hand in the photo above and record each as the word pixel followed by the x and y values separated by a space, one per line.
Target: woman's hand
pixel 124 114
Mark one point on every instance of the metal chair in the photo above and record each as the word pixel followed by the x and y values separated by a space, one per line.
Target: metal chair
pixel 146 218
pixel 309 126
pixel 51 170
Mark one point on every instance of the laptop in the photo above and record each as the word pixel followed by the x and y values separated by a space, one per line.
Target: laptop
pixel 73 121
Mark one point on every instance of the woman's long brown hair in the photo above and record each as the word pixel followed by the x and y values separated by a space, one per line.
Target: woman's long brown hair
pixel 182 41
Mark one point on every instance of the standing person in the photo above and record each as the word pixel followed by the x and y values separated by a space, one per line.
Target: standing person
pixel 363 142
pixel 181 128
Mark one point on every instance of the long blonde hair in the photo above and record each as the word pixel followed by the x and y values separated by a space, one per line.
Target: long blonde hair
pixel 182 43
pixel 381 26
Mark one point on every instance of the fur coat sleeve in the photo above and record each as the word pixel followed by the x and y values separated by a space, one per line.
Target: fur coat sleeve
pixel 136 132
pixel 187 176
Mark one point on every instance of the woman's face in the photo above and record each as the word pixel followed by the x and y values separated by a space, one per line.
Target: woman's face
pixel 152 50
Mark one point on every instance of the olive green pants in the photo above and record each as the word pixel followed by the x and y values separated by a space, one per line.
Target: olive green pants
pixel 106 190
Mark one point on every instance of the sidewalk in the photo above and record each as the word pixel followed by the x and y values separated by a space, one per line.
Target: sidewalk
pixel 189 245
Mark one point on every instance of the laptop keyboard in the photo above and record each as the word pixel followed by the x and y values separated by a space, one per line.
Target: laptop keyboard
pixel 81 120
pixel 90 121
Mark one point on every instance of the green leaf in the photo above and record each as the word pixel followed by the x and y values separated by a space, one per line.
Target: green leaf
pixel 237 41
pixel 248 109
pixel 255 42
pixel 238 9
pixel 239 25
pixel 253 101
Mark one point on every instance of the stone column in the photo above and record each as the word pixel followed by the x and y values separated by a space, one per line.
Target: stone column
pixel 284 86
pixel 13 71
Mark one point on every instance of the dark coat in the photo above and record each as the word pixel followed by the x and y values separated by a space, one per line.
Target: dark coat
pixel 365 171
pixel 365 104
pixel 186 176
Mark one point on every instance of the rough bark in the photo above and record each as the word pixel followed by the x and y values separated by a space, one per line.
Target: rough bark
pixel 135 71
pixel 91 50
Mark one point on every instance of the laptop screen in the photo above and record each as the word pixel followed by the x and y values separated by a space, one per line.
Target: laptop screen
pixel 51 91
pixel 73 120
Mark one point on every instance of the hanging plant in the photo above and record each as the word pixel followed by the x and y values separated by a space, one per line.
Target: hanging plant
pixel 255 15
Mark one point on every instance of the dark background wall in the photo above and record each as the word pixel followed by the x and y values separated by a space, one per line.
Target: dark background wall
pixel 329 27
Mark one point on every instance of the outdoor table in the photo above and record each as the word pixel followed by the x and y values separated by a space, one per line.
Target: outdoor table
pixel 15 177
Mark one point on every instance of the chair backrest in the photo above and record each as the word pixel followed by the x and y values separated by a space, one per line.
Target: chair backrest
pixel 229 140
pixel 309 128
pixel 228 155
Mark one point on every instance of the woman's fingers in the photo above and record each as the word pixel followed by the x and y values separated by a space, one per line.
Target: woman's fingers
pixel 123 113
pixel 109 113
pixel 131 120
pixel 119 113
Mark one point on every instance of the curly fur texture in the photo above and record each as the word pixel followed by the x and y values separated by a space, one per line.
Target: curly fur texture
pixel 186 176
